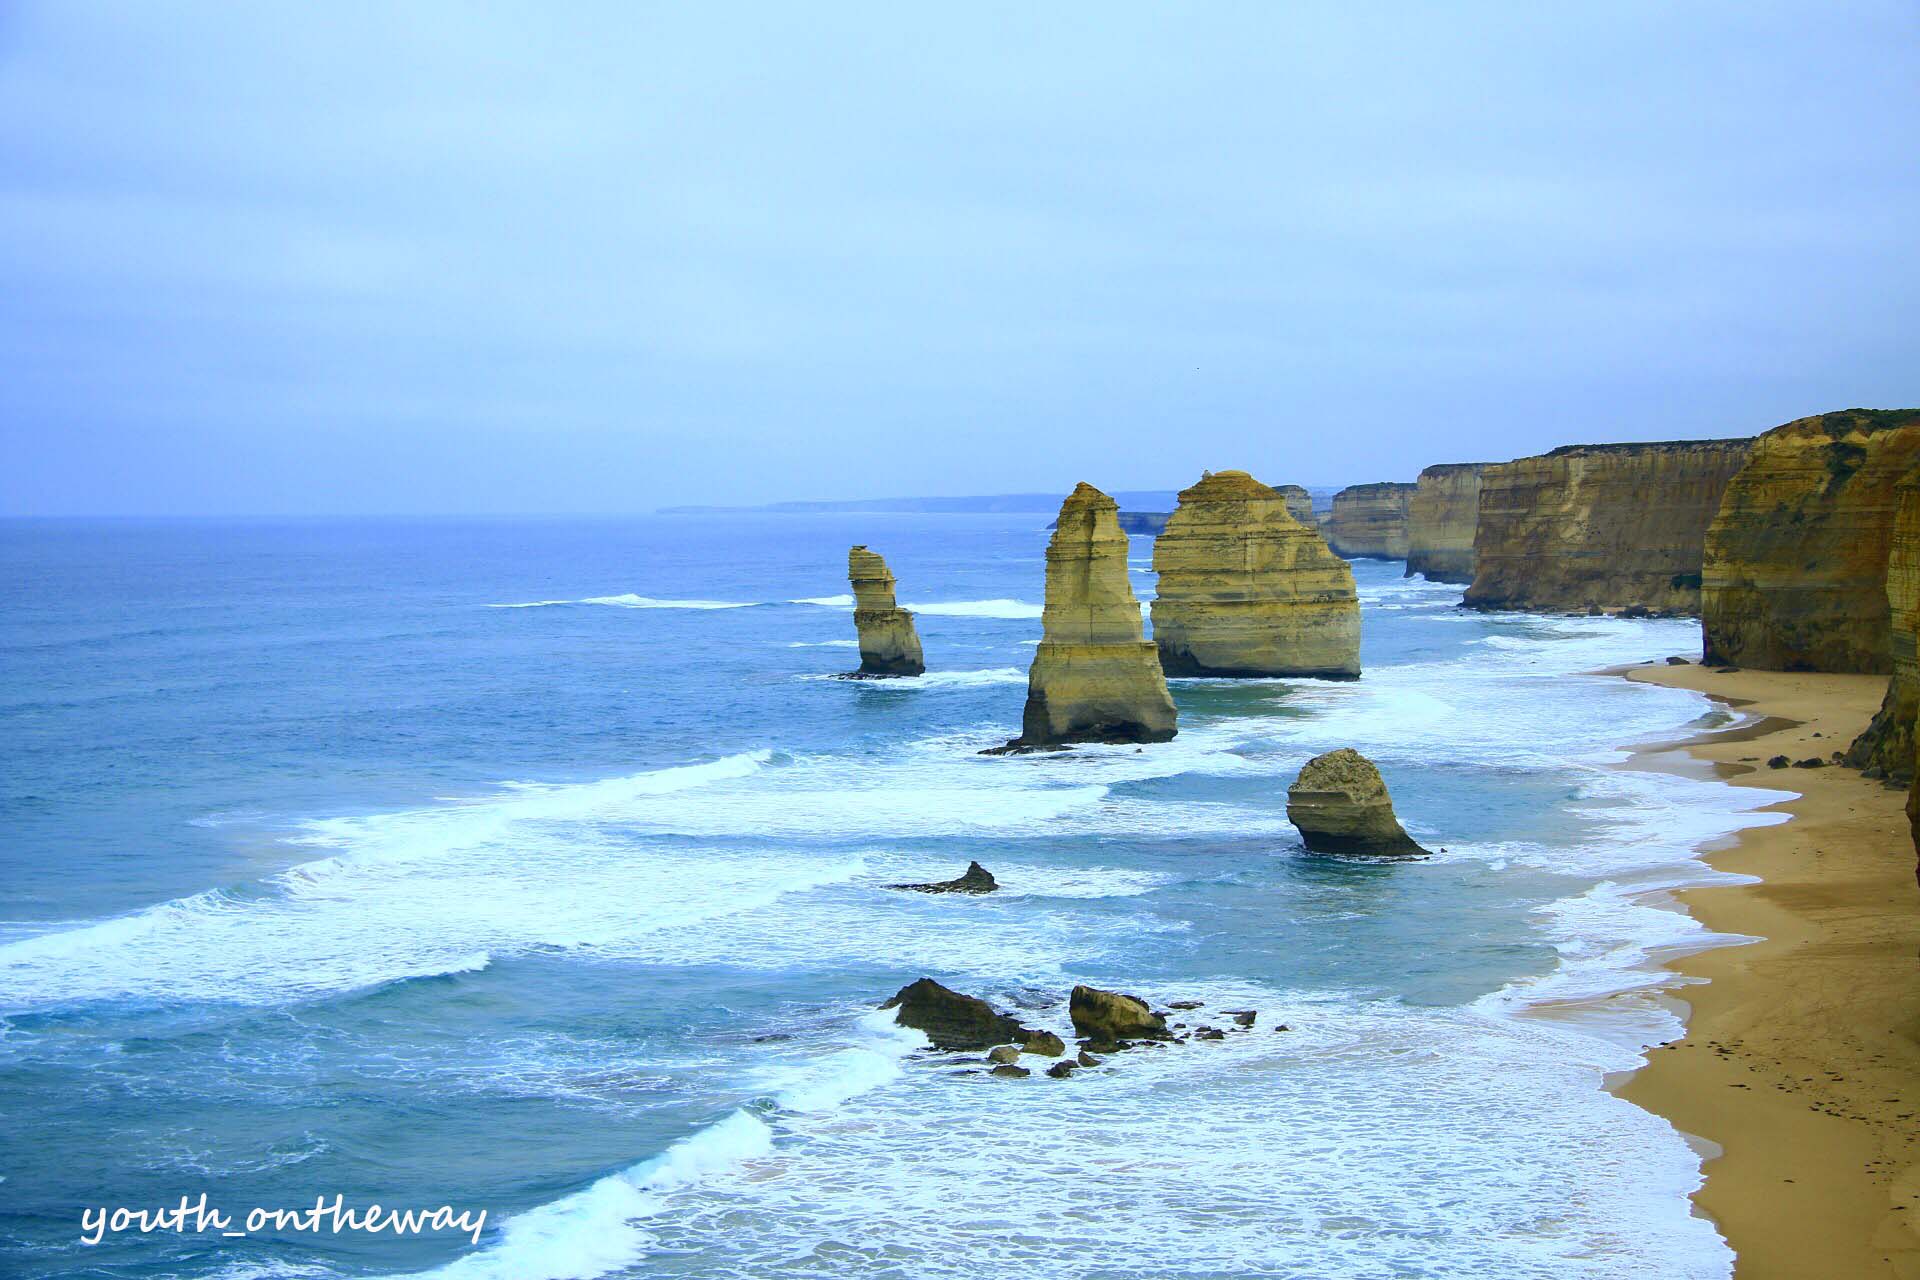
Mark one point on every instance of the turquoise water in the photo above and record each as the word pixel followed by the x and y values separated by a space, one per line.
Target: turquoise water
pixel 537 867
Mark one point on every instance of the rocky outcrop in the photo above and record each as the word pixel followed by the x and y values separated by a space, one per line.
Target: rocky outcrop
pixel 1105 1018
pixel 889 645
pixel 1441 518
pixel 1299 504
pixel 1095 678
pixel 975 879
pixel 1247 590
pixel 951 1020
pixel 1369 521
pixel 1796 561
pixel 1600 526
pixel 1887 747
pixel 1340 804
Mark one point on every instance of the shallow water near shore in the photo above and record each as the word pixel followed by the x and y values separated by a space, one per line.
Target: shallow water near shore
pixel 532 866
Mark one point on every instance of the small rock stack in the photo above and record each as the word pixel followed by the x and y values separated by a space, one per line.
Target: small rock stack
pixel 1340 804
pixel 889 645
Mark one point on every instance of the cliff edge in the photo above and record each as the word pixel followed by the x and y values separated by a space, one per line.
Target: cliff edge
pixel 1795 577
pixel 1600 526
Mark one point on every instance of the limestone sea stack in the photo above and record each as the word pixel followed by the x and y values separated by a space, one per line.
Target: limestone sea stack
pixel 1340 804
pixel 1247 590
pixel 889 644
pixel 1887 747
pixel 1795 577
pixel 1095 677
pixel 1369 521
pixel 1299 503
pixel 1600 526
pixel 1442 515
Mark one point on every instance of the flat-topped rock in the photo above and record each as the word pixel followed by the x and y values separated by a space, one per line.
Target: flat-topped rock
pixel 1247 590
pixel 1095 677
pixel 1795 577
pixel 1369 521
pixel 1340 804
pixel 1612 527
pixel 889 643
pixel 1442 516
pixel 1299 504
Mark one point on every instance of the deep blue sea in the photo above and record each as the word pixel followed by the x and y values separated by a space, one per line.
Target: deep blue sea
pixel 539 867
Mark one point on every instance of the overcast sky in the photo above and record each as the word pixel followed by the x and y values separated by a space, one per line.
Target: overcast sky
pixel 419 257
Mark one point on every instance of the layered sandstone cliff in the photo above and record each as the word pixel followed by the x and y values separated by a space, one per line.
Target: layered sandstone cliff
pixel 1369 521
pixel 1442 515
pixel 1247 590
pixel 1795 577
pixel 1299 503
pixel 1095 678
pixel 1600 526
pixel 889 644
pixel 1887 747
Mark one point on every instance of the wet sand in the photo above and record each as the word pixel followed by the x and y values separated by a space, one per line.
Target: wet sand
pixel 1802 1054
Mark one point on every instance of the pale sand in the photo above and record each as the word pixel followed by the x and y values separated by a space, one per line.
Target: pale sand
pixel 1802 1054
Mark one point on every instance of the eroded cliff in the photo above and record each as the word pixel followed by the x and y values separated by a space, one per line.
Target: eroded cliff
pixel 889 643
pixel 1887 747
pixel 1299 503
pixel 1369 521
pixel 1442 515
pixel 1095 677
pixel 1795 576
pixel 1247 590
pixel 1600 526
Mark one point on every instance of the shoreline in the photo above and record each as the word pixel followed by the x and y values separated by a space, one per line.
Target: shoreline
pixel 1800 1065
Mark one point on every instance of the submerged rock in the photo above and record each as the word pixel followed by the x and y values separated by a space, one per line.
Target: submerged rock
pixel 889 644
pixel 1369 521
pixel 1095 677
pixel 1340 804
pixel 1044 1044
pixel 976 879
pixel 1601 526
pixel 1008 1071
pixel 1795 576
pixel 1004 1053
pixel 952 1020
pixel 1247 590
pixel 1061 1070
pixel 1106 1018
pixel 1442 515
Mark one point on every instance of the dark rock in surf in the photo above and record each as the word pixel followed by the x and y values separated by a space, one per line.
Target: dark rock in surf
pixel 977 879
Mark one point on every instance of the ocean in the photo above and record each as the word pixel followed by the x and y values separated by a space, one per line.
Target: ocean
pixel 540 866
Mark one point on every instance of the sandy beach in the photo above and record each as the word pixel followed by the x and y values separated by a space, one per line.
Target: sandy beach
pixel 1802 1054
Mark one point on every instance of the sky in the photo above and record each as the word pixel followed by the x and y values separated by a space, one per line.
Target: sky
pixel 278 258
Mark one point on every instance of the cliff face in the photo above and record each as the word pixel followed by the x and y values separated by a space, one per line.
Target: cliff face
pixel 1370 521
pixel 889 644
pixel 1094 678
pixel 1247 590
pixel 1299 503
pixel 1888 743
pixel 1608 526
pixel 1441 518
pixel 1796 561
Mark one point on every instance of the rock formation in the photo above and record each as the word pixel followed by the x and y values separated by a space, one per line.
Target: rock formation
pixel 1887 747
pixel 1247 590
pixel 889 645
pixel 1105 1018
pixel 951 1020
pixel 1095 678
pixel 975 879
pixel 1369 521
pixel 1441 518
pixel 1340 805
pixel 1796 561
pixel 1600 526
pixel 1299 504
